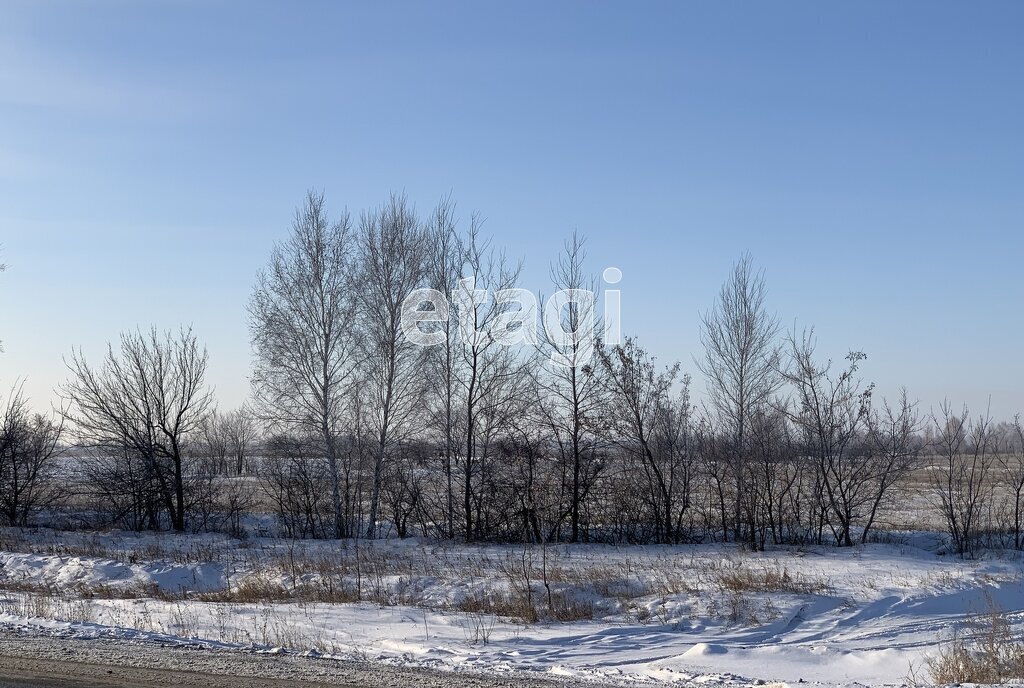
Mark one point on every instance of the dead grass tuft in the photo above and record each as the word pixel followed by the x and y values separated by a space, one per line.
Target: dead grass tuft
pixel 776 579
pixel 990 654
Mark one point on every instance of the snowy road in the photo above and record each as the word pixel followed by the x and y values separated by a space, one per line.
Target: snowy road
pixel 75 663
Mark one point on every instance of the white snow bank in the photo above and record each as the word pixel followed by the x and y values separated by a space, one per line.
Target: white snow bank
pixel 883 608
pixel 70 572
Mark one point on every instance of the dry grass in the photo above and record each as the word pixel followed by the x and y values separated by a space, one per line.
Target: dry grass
pixel 739 579
pixel 122 548
pixel 45 606
pixel 989 654
pixel 524 584
pixel 255 589
pixel 269 624
pixel 531 607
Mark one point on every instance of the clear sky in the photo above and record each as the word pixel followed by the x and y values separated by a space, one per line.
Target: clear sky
pixel 869 155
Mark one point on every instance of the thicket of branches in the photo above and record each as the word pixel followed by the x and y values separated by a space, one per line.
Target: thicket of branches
pixel 354 431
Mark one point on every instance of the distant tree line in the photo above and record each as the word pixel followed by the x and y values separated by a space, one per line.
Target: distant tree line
pixel 354 431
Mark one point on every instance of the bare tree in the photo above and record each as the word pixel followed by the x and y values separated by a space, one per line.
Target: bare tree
pixel 144 403
pixel 29 443
pixel 445 260
pixel 300 320
pixel 292 476
pixel 235 498
pixel 123 488
pixel 961 482
pixel 228 439
pixel 651 422
pixel 214 441
pixel 242 433
pixel 402 488
pixel 1011 463
pixel 832 413
pixel 741 362
pixel 391 264
pixel 775 478
pixel 895 453
pixel 535 483
pixel 489 372
pixel 716 456
pixel 571 391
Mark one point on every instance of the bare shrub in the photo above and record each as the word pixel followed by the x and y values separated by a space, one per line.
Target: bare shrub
pixel 961 485
pixel 293 478
pixel 478 626
pixel 564 606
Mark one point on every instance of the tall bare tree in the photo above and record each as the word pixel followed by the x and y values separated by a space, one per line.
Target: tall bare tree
pixel 570 390
pixel 391 263
pixel 445 260
pixel 489 373
pixel 145 403
pixel 301 324
pixel 741 364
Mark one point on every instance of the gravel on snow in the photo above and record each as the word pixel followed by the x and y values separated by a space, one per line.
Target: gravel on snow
pixel 40 659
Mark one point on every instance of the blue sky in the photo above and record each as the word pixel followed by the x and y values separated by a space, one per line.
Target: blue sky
pixel 869 155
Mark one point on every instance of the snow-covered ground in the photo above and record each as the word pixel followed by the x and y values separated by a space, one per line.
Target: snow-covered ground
pixel 700 613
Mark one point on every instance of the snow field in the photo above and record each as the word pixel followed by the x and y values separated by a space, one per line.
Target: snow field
pixel 691 613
